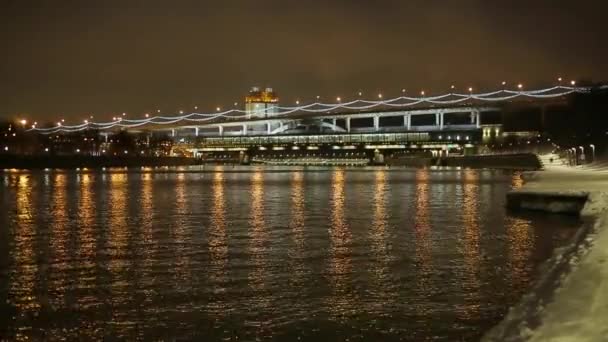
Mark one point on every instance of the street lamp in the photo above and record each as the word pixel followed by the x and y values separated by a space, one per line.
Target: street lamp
pixel 520 86
pixel 339 99
pixel 380 96
pixel 582 153
pixel 574 155
pixel 573 83
pixel 422 93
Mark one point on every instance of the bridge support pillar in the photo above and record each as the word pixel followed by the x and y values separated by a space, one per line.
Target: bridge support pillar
pixel 173 132
pixel 244 129
pixel 220 130
pixel 196 131
pixel 407 121
pixel 376 123
pixel 439 120
pixel 348 125
pixel 333 122
pixel 268 128
pixel 475 118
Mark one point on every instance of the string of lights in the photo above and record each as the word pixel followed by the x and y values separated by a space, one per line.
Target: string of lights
pixel 319 107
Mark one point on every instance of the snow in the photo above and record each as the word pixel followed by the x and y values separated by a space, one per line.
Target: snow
pixel 570 301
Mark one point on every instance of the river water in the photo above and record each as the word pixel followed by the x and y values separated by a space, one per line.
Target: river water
pixel 264 254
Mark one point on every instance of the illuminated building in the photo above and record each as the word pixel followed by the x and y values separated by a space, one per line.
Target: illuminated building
pixel 261 103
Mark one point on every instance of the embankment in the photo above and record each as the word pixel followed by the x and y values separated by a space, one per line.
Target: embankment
pixel 569 302
pixel 522 161
pixel 71 162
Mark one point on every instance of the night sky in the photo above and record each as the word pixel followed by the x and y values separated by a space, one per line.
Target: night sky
pixel 72 59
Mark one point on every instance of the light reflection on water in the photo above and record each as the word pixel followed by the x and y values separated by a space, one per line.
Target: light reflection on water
pixel 379 254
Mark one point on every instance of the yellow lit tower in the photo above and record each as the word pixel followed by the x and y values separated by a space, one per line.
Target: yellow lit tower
pixel 261 103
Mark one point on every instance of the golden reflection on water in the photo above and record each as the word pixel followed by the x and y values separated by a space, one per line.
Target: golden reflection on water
pixel 469 242
pixel 258 237
pixel 380 244
pixel 422 226
pixel 148 242
pixel 517 181
pixel 297 224
pixel 118 229
pixel 58 241
pixel 182 264
pixel 23 279
pixel 520 244
pixel 342 302
pixel 218 242
pixel 87 241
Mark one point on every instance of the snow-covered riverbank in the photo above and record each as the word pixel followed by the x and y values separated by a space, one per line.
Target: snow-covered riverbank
pixel 570 301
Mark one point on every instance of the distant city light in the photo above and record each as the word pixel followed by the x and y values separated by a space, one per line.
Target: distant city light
pixel 379 96
pixel 23 122
pixel 573 82
pixel 338 99
pixel 519 86
pixel 218 109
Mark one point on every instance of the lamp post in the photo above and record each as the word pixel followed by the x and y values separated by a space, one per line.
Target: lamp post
pixel 592 152
pixel 582 154
pixel 574 159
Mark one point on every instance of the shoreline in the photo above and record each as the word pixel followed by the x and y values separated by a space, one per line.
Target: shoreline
pixel 570 299
pixel 521 161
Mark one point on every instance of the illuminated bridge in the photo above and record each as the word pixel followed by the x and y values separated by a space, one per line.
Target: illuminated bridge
pixel 275 119
pixel 433 122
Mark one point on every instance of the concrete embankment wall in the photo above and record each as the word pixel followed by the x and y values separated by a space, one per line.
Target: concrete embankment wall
pixel 523 161
pixel 410 161
pixel 70 162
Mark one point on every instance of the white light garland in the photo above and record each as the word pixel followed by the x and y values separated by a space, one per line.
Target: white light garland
pixel 317 107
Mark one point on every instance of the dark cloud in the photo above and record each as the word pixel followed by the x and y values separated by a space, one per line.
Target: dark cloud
pixel 74 57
